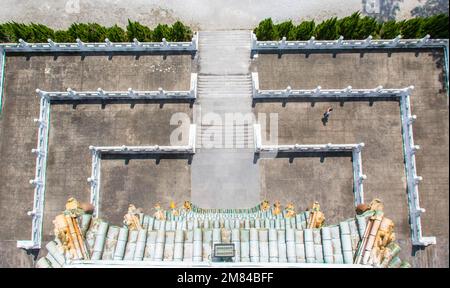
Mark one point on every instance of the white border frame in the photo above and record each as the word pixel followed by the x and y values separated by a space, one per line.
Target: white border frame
pixel 354 149
pixel 407 119
pixel 41 151
pixel 97 152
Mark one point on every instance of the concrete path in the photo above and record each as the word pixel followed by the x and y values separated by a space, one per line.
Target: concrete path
pixel 223 173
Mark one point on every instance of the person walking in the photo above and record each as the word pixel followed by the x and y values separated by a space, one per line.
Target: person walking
pixel 326 115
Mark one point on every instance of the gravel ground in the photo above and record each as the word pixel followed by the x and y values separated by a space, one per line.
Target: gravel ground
pixel 200 14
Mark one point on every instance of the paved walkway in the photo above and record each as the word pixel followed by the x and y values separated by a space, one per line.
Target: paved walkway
pixel 223 173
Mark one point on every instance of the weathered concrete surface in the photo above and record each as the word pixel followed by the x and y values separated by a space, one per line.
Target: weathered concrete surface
pixel 143 183
pixel 306 180
pixel 69 163
pixel 73 130
pixel 378 126
pixel 204 14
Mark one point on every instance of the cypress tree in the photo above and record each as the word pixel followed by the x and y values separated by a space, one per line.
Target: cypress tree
pixel 347 26
pixel 180 32
pixel 390 30
pixel 283 29
pixel 436 26
pixel 162 31
pixel 140 32
pixel 303 31
pixel 116 34
pixel 327 30
pixel 265 30
pixel 412 28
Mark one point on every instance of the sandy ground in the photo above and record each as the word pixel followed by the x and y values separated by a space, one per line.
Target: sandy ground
pixel 200 14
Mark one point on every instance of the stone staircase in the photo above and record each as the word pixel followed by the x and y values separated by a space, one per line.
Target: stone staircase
pixel 223 136
pixel 229 98
pixel 223 174
pixel 224 52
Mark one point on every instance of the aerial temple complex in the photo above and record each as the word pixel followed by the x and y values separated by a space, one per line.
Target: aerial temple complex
pixel 160 151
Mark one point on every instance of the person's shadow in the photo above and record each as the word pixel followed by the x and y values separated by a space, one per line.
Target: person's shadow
pixel 324 120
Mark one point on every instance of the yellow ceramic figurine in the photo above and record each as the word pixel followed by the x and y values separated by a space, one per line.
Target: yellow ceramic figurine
pixel 265 205
pixel 131 219
pixel 316 217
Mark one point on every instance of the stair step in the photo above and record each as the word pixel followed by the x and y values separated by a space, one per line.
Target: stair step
pixel 224 89
pixel 226 83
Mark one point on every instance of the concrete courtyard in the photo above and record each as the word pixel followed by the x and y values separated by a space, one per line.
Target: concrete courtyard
pixel 74 128
pixel 377 125
pixel 145 182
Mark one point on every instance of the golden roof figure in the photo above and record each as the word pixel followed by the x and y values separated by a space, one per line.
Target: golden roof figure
pixel 159 214
pixel 187 206
pixel 316 217
pixel 265 205
pixel 276 208
pixel 290 210
pixel 132 218
pixel 68 231
pixel 376 205
pixel 173 208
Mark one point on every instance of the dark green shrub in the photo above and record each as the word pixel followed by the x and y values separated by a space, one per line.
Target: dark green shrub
pixel 327 30
pixel 63 36
pixel 116 34
pixel 283 29
pixel 6 34
pixel 180 32
pixel 18 31
pixel 162 31
pixel 390 30
pixel 303 31
pixel 436 26
pixel 412 28
pixel 265 30
pixel 93 32
pixel 367 26
pixel 3 35
pixel 90 32
pixel 40 33
pixel 140 32
pixel 347 26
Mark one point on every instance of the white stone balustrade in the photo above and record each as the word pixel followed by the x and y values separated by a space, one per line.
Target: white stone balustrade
pixel 379 93
pixel 41 155
pixel 341 43
pixel 107 46
pixel 98 151
pixel 99 94
pixel 2 74
pixel 354 149
pixel 40 175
